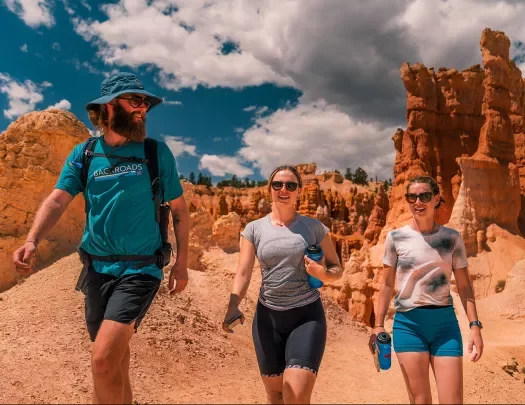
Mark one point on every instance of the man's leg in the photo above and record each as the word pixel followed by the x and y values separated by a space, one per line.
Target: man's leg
pixel 128 394
pixel 107 357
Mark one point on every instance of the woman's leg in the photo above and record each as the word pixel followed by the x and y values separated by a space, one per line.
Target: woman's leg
pixel 269 348
pixel 415 369
pixel 446 356
pixel 274 389
pixel 413 353
pixel 449 378
pixel 298 385
pixel 304 351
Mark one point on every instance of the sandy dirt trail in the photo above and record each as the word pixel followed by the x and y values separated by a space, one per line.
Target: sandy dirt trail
pixel 180 354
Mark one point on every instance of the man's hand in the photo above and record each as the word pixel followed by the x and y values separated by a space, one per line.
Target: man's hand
pixel 22 257
pixel 178 273
pixel 475 340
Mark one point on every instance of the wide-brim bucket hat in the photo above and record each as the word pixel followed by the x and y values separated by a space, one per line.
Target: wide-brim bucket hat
pixel 118 84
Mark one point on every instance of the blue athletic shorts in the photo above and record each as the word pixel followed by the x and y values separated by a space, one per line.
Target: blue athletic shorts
pixel 428 329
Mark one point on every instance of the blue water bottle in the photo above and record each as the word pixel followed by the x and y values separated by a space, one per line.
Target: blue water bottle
pixel 315 253
pixel 385 350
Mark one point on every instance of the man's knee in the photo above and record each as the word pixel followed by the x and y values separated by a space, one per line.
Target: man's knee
pixel 103 363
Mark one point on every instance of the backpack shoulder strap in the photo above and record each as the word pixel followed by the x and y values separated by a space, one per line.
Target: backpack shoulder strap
pixel 150 153
pixel 87 155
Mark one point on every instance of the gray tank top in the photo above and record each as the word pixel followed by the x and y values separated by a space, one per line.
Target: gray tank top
pixel 280 251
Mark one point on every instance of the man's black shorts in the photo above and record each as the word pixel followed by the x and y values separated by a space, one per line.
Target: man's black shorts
pixel 124 299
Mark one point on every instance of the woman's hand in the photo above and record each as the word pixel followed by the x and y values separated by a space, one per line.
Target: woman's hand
pixel 475 340
pixel 232 313
pixel 315 269
pixel 373 337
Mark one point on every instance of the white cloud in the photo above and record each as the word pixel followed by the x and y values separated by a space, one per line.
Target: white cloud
pixel 352 62
pixel 33 12
pixel 239 130
pixel 22 97
pixel 85 4
pixel 320 133
pixel 290 43
pixel 457 44
pixel 170 102
pixel 187 44
pixel 261 111
pixel 178 146
pixel 61 105
pixel 56 46
pixel 23 48
pixel 220 165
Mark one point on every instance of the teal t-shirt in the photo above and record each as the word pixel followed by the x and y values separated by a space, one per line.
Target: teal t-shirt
pixel 121 216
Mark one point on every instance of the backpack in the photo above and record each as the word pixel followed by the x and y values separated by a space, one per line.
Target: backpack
pixel 162 209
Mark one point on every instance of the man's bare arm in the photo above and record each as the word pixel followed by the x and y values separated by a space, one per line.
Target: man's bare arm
pixel 48 214
pixel 181 227
pixel 46 217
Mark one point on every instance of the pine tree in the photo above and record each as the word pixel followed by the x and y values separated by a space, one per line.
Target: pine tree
pixel 348 174
pixel 360 177
pixel 192 178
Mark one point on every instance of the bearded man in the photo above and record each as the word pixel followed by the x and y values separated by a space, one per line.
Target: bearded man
pixel 122 228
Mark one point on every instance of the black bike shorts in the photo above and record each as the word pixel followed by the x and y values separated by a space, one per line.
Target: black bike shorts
pixel 293 338
pixel 121 299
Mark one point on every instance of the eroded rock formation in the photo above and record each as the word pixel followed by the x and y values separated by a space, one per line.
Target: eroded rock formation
pixel 33 150
pixel 377 218
pixel 466 130
pixel 226 232
pixel 490 191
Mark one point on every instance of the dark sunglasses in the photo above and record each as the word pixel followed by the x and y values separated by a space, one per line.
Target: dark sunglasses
pixel 290 185
pixel 137 101
pixel 423 197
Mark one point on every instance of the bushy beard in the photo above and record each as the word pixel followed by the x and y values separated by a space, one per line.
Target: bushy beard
pixel 123 124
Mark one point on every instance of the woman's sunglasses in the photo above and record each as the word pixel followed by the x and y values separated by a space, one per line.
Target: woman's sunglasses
pixel 137 101
pixel 423 197
pixel 290 185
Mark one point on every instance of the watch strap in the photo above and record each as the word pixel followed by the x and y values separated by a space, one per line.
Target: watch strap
pixel 475 323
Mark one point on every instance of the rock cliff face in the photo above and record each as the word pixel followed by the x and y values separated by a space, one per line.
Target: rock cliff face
pixel 226 231
pixel 33 150
pixel 466 130
pixel 510 303
pixel 377 217
pixel 490 190
pixel 456 116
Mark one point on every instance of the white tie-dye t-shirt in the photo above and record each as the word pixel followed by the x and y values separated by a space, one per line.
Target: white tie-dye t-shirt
pixel 424 265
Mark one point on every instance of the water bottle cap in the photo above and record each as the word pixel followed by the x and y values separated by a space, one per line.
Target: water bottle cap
pixel 314 249
pixel 384 337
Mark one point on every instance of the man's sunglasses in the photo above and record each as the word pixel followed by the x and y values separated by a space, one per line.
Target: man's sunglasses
pixel 290 185
pixel 137 101
pixel 423 197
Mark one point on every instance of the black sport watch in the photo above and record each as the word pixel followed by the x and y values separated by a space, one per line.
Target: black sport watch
pixel 475 323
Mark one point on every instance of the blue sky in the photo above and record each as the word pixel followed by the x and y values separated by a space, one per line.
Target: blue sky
pixel 248 85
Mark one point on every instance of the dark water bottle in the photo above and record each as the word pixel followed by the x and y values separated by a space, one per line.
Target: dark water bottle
pixel 385 350
pixel 315 253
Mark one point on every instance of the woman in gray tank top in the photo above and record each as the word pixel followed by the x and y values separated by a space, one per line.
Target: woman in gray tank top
pixel 289 325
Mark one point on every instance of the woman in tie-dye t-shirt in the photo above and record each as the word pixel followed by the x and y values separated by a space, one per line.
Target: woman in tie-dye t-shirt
pixel 422 256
